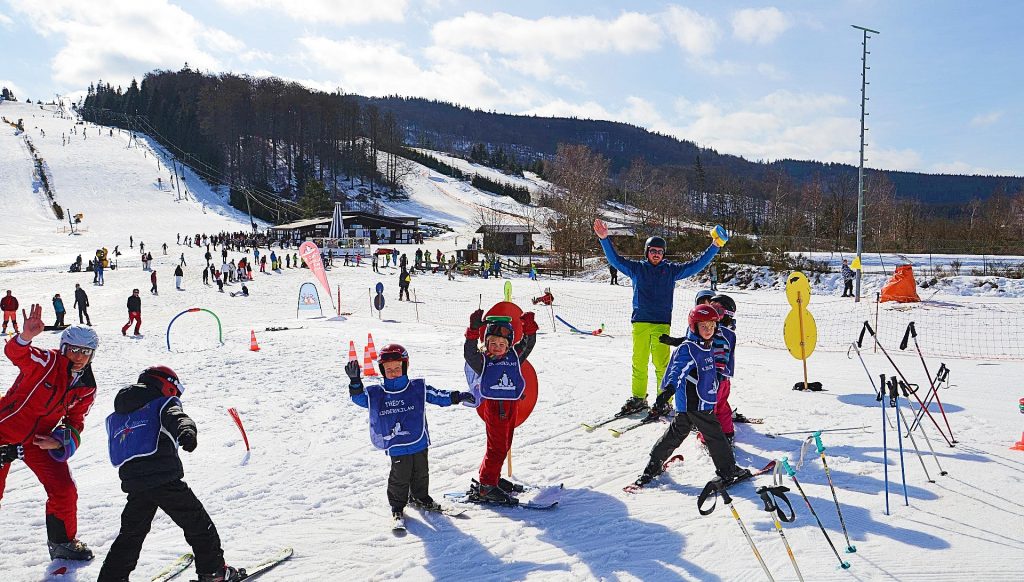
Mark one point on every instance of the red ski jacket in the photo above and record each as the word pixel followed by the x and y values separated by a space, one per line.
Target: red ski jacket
pixel 44 393
pixel 9 303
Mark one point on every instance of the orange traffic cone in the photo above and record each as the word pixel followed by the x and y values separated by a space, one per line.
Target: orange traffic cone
pixel 372 348
pixel 1019 445
pixel 253 346
pixel 368 369
pixel 352 357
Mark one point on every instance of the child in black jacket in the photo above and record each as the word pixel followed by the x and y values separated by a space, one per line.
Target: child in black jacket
pixel 144 432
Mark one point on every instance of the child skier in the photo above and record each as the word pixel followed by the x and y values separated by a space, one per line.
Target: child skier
pixel 144 432
pixel 495 377
pixel 691 376
pixel 398 425
pixel 547 298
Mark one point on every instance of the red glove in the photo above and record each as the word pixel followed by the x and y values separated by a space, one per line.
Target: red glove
pixel 529 325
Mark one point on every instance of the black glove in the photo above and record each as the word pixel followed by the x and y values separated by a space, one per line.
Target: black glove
pixel 476 320
pixel 10 453
pixel 662 400
pixel 187 440
pixel 669 340
pixel 458 397
pixel 353 370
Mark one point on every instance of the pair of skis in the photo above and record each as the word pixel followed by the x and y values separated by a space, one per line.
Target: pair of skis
pixel 540 497
pixel 184 562
pixel 649 419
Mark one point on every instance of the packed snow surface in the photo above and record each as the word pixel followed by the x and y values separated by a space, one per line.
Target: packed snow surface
pixel 313 481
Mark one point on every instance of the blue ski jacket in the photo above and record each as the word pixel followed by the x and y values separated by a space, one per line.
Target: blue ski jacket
pixel 691 375
pixel 653 286
pixel 413 393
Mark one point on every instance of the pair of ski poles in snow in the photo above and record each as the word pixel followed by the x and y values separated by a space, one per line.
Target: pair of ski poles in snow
pixel 924 408
pixel 769 496
pixel 894 387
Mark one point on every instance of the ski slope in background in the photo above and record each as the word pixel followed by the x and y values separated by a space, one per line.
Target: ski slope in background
pixel 313 481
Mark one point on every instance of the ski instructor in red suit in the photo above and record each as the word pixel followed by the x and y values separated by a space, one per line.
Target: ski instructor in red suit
pixel 41 418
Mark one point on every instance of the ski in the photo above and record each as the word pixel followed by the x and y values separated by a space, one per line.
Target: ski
pixel 591 426
pixel 264 566
pixel 545 498
pixel 636 487
pixel 740 418
pixel 438 508
pixel 177 567
pixel 647 420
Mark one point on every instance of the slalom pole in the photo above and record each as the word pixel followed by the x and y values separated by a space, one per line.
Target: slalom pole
pixel 912 331
pixel 728 502
pixel 850 548
pixel 885 449
pixel 927 441
pixel 768 496
pixel 894 401
pixel 867 327
pixel 792 475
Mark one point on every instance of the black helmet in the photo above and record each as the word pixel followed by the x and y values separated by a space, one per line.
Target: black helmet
pixel 726 302
pixel 654 241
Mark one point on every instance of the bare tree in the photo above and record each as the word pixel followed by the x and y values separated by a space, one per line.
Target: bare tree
pixel 578 185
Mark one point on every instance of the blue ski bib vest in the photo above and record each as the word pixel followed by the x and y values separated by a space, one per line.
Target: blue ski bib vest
pixel 502 379
pixel 397 415
pixel 136 434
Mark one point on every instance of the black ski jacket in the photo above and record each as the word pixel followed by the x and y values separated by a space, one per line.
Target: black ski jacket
pixel 163 466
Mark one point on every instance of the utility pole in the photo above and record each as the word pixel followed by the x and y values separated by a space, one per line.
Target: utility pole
pixel 860 169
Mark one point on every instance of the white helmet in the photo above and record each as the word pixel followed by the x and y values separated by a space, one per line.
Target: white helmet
pixel 78 335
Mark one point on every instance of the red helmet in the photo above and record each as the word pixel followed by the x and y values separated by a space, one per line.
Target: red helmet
pixel 162 378
pixel 702 313
pixel 393 353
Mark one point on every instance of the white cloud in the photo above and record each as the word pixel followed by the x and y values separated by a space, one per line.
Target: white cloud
pixel 562 37
pixel 383 68
pixel 125 39
pixel 330 11
pixel 694 33
pixel 986 119
pixel 759 26
pixel 6 21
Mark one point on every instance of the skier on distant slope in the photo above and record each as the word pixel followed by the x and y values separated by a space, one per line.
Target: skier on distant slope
pixel 144 432
pixel 398 425
pixel 41 418
pixel 693 380
pixel 653 283
pixel 495 376
pixel 9 305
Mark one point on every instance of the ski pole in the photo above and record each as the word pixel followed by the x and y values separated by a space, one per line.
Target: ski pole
pixel 912 332
pixel 913 441
pixel 792 475
pixel 878 394
pixel 811 430
pixel 894 401
pixel 850 548
pixel 860 341
pixel 941 377
pixel 768 496
pixel 728 502
pixel 885 451
pixel 927 441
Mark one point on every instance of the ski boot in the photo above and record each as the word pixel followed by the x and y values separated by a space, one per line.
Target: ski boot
pixel 492 494
pixel 735 475
pixel 510 487
pixel 225 574
pixel 73 550
pixel 634 404
pixel 651 472
pixel 427 503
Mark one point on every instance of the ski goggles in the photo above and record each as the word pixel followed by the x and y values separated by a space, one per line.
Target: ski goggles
pixel 79 350
pixel 504 331
pixel 656 251
pixel 392 357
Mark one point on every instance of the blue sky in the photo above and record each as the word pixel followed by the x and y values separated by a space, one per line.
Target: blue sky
pixel 762 80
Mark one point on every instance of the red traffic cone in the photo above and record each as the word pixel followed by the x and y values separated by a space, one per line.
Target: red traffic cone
pixel 370 346
pixel 253 346
pixel 368 369
pixel 1019 445
pixel 352 357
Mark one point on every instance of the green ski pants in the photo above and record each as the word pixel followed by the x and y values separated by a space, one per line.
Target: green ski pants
pixel 647 347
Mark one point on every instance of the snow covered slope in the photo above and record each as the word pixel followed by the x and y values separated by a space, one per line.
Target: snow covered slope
pixel 313 481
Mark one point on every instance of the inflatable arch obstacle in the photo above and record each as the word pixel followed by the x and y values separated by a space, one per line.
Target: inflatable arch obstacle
pixel 220 329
